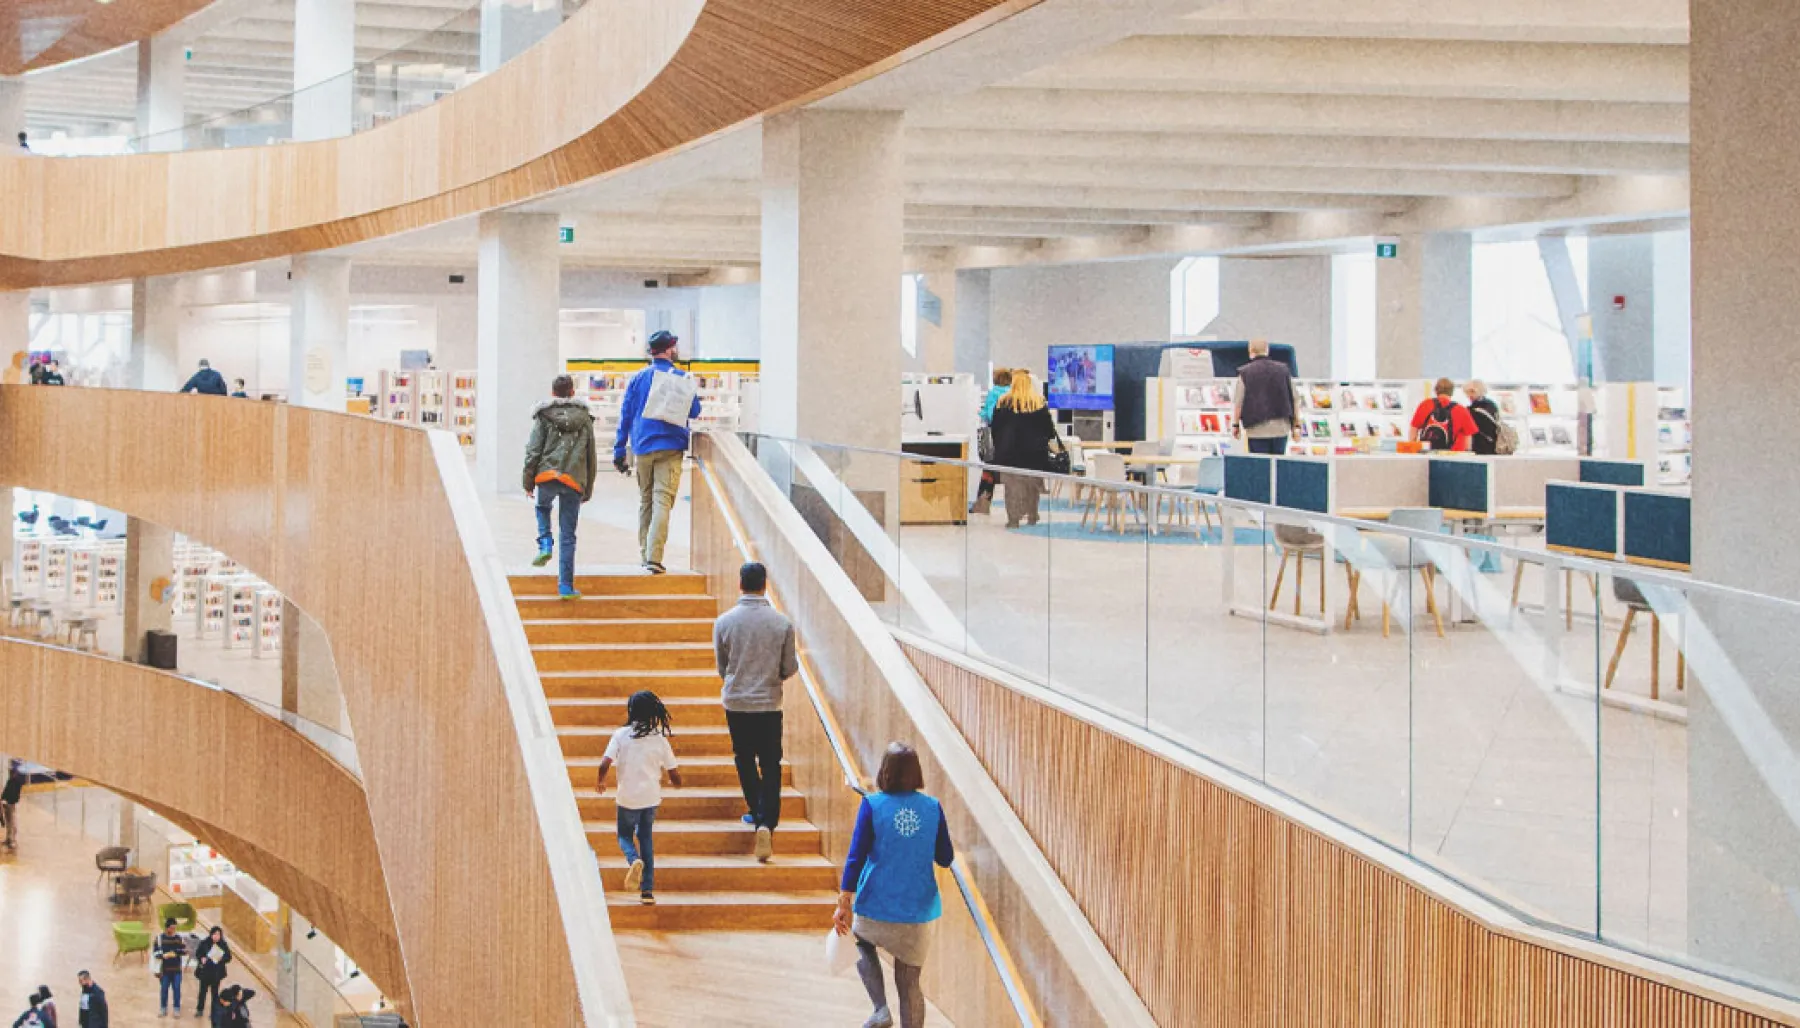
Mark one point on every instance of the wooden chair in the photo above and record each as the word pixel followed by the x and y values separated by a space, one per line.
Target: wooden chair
pixel 1111 496
pixel 1405 556
pixel 1301 544
pixel 1627 592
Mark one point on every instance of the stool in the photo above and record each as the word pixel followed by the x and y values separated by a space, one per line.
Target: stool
pixel 1301 544
pixel 15 615
pixel 42 620
pixel 83 633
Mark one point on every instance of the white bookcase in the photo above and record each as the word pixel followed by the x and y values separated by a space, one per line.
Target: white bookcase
pixel 241 616
pixel 215 602
pixel 28 564
pixel 109 576
pixel 431 398
pixel 462 408
pixel 56 572
pixel 81 576
pixel 1674 438
pixel 268 623
pixel 398 396
pixel 197 871
pixel 1547 417
pixel 1351 417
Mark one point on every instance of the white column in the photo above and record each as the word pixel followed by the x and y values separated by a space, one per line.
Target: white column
pixel 155 335
pixel 518 296
pixel 12 111
pixel 1622 299
pixel 319 332
pixel 162 84
pixel 831 264
pixel 149 568
pixel 1423 318
pixel 324 58
pixel 509 27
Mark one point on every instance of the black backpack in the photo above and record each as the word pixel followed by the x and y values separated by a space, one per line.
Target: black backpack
pixel 1440 426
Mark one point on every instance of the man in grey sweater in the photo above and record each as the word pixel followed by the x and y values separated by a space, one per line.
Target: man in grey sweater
pixel 754 644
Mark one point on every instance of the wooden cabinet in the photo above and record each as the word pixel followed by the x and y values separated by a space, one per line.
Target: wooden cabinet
pixel 932 493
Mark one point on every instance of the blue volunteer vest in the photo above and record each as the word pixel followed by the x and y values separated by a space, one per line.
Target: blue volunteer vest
pixel 899 883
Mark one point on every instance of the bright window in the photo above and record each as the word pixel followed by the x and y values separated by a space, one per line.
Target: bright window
pixel 1517 332
pixel 1193 296
pixel 1353 316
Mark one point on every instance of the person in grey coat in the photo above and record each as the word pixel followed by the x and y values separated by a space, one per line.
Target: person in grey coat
pixel 754 645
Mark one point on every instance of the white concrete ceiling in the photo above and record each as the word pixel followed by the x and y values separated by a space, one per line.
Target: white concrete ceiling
pixel 1094 128
pixel 243 57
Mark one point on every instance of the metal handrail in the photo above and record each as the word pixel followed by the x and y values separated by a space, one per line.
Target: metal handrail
pixel 997 952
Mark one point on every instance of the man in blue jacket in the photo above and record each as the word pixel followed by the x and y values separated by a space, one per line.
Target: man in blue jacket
pixel 659 447
pixel 207 381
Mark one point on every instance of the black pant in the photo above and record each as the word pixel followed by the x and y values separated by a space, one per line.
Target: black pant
pixel 756 744
pixel 1277 445
pixel 986 488
pixel 207 984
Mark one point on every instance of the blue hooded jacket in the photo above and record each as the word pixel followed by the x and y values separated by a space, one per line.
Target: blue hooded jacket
pixel 648 435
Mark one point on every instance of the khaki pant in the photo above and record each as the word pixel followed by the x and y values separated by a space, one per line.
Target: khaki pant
pixel 658 479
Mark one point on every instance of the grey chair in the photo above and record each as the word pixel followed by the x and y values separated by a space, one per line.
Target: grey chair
pixel 1300 544
pixel 112 861
pixel 1627 592
pixel 1405 557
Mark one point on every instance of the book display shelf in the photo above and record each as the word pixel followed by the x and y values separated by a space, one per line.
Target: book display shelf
pixel 197 872
pixel 215 599
pixel 1354 417
pixel 28 563
pixel 81 575
pixel 1547 417
pixel 109 576
pixel 241 617
pixel 431 398
pixel 56 572
pixel 1674 438
pixel 268 623
pixel 462 408
pixel 398 396
pixel 720 385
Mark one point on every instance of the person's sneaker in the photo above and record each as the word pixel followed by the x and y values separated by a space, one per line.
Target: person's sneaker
pixel 880 1019
pixel 647 899
pixel 196 1013
pixel 570 595
pixel 749 819
pixel 541 559
pixel 634 874
pixel 162 1013
pixel 765 845
pixel 654 568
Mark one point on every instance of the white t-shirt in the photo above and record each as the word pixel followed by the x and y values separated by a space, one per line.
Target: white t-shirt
pixel 641 763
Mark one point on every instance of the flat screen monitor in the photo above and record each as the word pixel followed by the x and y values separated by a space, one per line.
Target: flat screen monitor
pixel 1081 377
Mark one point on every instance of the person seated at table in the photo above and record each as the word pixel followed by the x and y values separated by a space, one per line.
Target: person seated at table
pixel 1441 423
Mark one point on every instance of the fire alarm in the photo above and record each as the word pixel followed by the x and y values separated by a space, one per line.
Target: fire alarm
pixel 1618 303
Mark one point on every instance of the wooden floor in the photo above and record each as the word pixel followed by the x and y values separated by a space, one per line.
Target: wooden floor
pixel 742 980
pixel 54 921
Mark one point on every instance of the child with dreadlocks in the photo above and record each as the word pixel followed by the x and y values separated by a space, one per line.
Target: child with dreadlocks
pixel 642 751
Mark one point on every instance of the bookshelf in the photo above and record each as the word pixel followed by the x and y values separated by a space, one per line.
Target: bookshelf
pixel 398 397
pixel 109 577
pixel 268 623
pixel 56 571
pixel 241 617
pixel 81 576
pixel 214 599
pixel 1334 416
pixel 431 398
pixel 462 408
pixel 1674 438
pixel 197 871
pixel 720 385
pixel 28 560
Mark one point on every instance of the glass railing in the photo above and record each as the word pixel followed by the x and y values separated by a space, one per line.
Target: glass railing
pixel 374 92
pixel 1604 749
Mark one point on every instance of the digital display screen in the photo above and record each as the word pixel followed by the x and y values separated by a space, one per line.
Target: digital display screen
pixel 1080 378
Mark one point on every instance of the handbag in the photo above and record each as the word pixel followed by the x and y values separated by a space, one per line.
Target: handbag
pixel 840 952
pixel 1059 458
pixel 671 397
pixel 984 444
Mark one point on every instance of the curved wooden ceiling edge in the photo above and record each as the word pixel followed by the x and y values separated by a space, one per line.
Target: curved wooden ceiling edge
pixel 88 29
pixel 736 61
pixel 203 757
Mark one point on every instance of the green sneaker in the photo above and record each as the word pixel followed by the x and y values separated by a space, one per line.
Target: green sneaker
pixel 541 559
pixel 570 595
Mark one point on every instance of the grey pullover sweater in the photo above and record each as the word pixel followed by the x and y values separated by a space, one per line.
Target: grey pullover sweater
pixel 754 644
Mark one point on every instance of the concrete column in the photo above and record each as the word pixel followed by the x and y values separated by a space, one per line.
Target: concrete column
pixel 126 830
pixel 831 264
pixel 324 57
pixel 973 316
pixel 518 295
pixel 309 679
pixel 15 335
pixel 162 84
pixel 319 332
pixel 12 111
pixel 937 340
pixel 155 335
pixel 1743 830
pixel 1622 270
pixel 1424 324
pixel 509 27
pixel 149 578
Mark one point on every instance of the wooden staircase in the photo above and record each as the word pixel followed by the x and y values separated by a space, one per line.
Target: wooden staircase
pixel 636 631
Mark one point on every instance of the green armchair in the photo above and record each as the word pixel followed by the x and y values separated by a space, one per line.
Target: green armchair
pixel 183 913
pixel 131 937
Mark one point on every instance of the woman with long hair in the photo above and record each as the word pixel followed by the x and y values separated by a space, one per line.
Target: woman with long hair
pixel 1023 434
pixel 889 893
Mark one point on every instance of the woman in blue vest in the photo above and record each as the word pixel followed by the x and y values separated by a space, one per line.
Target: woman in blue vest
pixel 890 885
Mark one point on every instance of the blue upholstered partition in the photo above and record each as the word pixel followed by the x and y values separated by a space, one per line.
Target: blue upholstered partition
pixel 1458 484
pixel 1612 472
pixel 1247 477
pixel 1303 484
pixel 1584 518
pixel 1658 528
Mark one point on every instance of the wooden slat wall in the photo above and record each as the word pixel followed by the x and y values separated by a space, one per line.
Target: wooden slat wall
pixel 292 817
pixel 1223 913
pixel 348 517
pixel 79 29
pixel 961 979
pixel 621 82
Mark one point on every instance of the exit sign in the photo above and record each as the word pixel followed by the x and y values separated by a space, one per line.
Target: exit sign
pixel 1387 251
pixel 565 234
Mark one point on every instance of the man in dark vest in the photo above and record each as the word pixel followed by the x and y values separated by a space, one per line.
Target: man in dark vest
pixel 1263 401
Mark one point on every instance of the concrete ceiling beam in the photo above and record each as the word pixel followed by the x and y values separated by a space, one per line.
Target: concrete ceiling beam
pixel 1001 194
pixel 1377 67
pixel 1270 114
pixel 1663 22
pixel 1080 216
pixel 1575 157
pixel 1136 174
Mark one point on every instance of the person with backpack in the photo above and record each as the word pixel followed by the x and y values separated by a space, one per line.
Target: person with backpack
pixel 1441 423
pixel 31 1018
pixel 653 426
pixel 559 469
pixel 1491 433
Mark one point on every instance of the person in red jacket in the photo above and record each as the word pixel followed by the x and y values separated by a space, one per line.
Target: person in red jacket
pixel 1440 422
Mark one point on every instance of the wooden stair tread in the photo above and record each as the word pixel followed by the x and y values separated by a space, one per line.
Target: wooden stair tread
pixel 704 824
pixel 714 730
pixel 674 703
pixel 627 674
pixel 808 898
pixel 702 792
pixel 709 761
pixel 613 622
pixel 745 861
pixel 703 646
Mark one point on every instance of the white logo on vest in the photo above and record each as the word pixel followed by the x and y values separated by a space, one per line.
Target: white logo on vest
pixel 906 822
